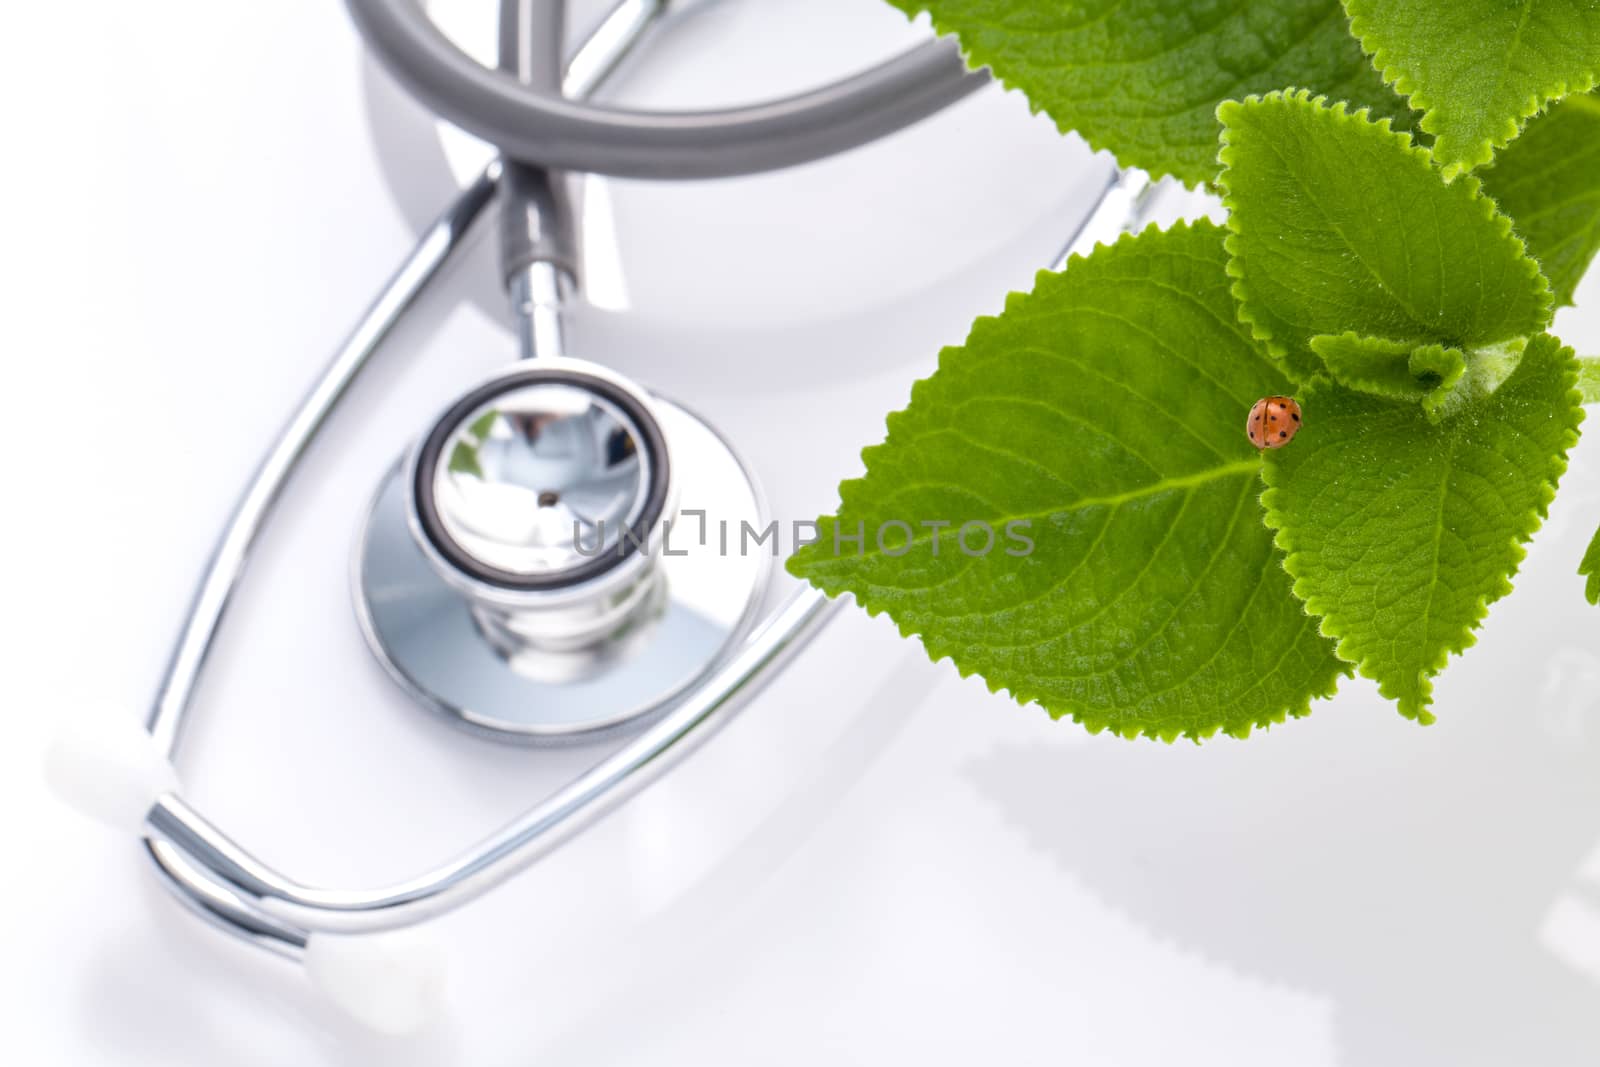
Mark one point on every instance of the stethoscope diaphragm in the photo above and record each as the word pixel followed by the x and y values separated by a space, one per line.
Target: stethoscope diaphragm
pixel 547 564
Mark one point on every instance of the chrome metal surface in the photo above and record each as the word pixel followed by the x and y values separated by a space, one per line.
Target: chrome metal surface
pixel 1123 205
pixel 600 657
pixel 538 293
pixel 532 835
pixel 540 479
pixel 611 43
pixel 499 543
pixel 222 906
pixel 538 206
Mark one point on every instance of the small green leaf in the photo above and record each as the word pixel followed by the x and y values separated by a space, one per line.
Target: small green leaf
pixel 1589 378
pixel 1443 380
pixel 1398 370
pixel 1400 532
pixel 1143 78
pixel 1342 226
pixel 1430 362
pixel 1477 68
pixel 1487 368
pixel 1106 411
pixel 1590 566
pixel 1548 181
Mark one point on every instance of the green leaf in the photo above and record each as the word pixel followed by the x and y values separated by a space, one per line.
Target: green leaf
pixel 1548 181
pixel 1477 68
pixel 1401 532
pixel 1342 226
pixel 1398 370
pixel 1589 378
pixel 1143 78
pixel 1444 380
pixel 1106 410
pixel 1590 566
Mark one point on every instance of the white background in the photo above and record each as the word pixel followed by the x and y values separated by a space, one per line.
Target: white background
pixel 878 862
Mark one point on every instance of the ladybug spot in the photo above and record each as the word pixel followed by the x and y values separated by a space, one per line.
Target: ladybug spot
pixel 1283 433
pixel 1295 415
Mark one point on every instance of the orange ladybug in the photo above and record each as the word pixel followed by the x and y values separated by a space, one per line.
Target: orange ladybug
pixel 1273 421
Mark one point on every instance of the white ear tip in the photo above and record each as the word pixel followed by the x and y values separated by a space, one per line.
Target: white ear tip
pixel 393 982
pixel 107 766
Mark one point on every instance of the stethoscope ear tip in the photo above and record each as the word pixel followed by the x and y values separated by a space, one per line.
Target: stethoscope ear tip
pixel 392 982
pixel 108 767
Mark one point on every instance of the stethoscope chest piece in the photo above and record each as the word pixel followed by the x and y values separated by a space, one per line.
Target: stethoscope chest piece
pixel 560 556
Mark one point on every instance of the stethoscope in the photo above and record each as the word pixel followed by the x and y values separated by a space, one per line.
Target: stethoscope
pixel 536 569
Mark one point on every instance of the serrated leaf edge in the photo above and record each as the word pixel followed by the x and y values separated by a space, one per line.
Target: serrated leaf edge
pixel 1230 243
pixel 1589 567
pixel 1370 386
pixel 1082 716
pixel 850 488
pixel 1387 66
pixel 1317 607
pixel 974 61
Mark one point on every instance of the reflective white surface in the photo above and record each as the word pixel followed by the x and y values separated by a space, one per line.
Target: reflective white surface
pixel 877 862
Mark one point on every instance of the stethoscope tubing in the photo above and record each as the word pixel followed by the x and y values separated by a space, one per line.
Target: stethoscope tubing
pixel 225 883
pixel 543 127
pixel 218 878
pixel 206 893
pixel 267 892
pixel 203 892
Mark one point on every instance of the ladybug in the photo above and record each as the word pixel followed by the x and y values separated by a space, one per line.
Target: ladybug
pixel 1273 421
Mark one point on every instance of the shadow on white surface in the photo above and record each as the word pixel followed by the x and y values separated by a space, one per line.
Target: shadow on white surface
pixel 237 1007
pixel 1428 881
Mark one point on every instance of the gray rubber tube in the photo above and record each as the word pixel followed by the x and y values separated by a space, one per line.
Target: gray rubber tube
pixel 536 210
pixel 542 128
